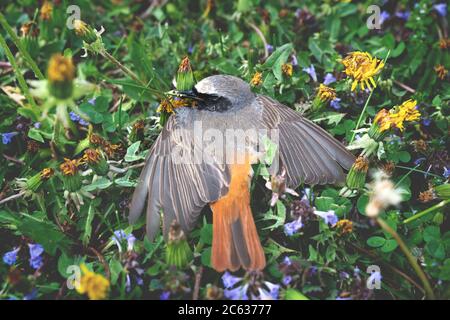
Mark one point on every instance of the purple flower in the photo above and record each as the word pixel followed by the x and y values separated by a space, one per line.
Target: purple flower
pixel 287 261
pixel 10 257
pixel 311 71
pixel 32 295
pixel 356 271
pixel 329 78
pixel 404 15
pixel 294 60
pixel 74 117
pixel 298 12
pixel 7 137
pixel 239 293
pixel 344 275
pixel 426 122
pixel 335 103
pixel 271 294
pixel 83 122
pixel 229 280
pixel 35 255
pixel 419 161
pixel 164 295
pixel 120 235
pixel 292 227
pixel 446 173
pixel 269 48
pixel 384 16
pixel 92 101
pixel 190 49
pixel 441 9
pixel 286 280
pixel 328 216
pixel 37 125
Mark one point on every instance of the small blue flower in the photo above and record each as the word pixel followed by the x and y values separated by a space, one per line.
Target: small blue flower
pixel 37 125
pixel 238 293
pixel 269 48
pixel 36 251
pixel 426 122
pixel 190 49
pixel 384 16
pixel 229 280
pixel 329 78
pixel 404 15
pixel 32 295
pixel 92 101
pixel 441 9
pixel 286 280
pixel 10 257
pixel 356 271
pixel 298 12
pixel 120 235
pixel 83 122
pixel 328 216
pixel 446 173
pixel 287 261
pixel 292 227
pixel 271 294
pixel 294 60
pixel 7 137
pixel 419 161
pixel 165 295
pixel 73 116
pixel 335 103
pixel 311 71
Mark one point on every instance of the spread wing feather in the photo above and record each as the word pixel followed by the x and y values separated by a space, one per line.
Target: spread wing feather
pixel 178 190
pixel 308 153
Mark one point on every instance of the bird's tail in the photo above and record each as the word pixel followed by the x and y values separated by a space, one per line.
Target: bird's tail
pixel 235 239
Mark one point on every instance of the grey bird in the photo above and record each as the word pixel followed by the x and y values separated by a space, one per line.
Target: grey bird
pixel 179 190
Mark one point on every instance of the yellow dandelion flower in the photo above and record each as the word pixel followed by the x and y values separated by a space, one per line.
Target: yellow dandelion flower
pixel 46 10
pixel 94 285
pixel 441 71
pixel 344 226
pixel 70 167
pixel 326 93
pixel 407 111
pixel 60 69
pixel 287 69
pixel 169 105
pixel 256 79
pixel 362 67
pixel 47 173
pixel 91 156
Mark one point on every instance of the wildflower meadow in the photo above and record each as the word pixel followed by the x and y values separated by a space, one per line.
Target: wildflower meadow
pixel 87 87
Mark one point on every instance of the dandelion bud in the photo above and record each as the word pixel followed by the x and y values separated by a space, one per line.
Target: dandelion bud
pixel 32 184
pixel 29 39
pixel 357 175
pixel 443 191
pixel 96 161
pixel 70 175
pixel 178 252
pixel 137 131
pixel 84 31
pixel 185 76
pixel 61 73
pixel 46 11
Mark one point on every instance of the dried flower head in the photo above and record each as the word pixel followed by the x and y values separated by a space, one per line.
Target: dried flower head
pixel 326 93
pixel 344 226
pixel 70 167
pixel 256 79
pixel 441 71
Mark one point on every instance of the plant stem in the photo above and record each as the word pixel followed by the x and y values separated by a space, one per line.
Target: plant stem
pixel 127 71
pixel 21 48
pixel 22 83
pixel 365 105
pixel 411 259
pixel 426 211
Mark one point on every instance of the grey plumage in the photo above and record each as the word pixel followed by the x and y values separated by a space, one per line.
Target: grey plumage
pixel 307 152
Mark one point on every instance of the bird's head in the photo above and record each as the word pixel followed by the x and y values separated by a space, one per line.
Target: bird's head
pixel 219 93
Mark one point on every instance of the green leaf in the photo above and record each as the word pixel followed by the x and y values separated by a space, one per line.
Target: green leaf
pixel 273 58
pixel 436 249
pixel 292 294
pixel 88 225
pixel 132 154
pixel 431 233
pixel 206 233
pixel 376 241
pixel 206 257
pixel 389 245
pixel 100 183
pixel 34 134
pixel 324 203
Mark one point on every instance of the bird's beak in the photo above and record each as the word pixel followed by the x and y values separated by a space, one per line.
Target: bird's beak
pixel 190 94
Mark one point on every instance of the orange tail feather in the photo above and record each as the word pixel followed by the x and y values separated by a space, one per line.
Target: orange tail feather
pixel 235 238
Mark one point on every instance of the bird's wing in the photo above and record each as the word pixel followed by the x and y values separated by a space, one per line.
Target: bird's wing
pixel 308 153
pixel 180 189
